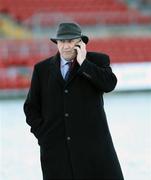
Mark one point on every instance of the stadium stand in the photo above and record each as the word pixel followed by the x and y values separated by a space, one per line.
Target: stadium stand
pixel 90 12
pixel 14 78
pixel 20 49
pixel 124 50
pixel 24 54
pixel 28 52
pixel 11 29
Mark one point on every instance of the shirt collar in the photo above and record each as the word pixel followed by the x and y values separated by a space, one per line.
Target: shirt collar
pixel 63 61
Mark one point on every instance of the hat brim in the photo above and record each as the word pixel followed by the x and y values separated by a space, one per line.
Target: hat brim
pixel 85 39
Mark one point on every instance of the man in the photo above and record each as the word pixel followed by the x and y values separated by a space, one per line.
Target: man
pixel 64 108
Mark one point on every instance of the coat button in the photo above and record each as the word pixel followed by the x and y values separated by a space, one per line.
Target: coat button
pixel 66 115
pixel 68 138
pixel 66 91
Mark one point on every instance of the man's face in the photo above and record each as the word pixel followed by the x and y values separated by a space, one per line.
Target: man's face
pixel 66 48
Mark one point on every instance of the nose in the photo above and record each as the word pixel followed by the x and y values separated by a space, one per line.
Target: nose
pixel 66 45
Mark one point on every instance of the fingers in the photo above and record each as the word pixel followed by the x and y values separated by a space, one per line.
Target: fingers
pixel 83 46
pixel 77 48
pixel 80 46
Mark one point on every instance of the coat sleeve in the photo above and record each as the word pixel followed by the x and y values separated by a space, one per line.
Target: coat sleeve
pixel 99 73
pixel 32 106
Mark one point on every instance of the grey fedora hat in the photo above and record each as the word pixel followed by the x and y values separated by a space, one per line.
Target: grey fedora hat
pixel 68 31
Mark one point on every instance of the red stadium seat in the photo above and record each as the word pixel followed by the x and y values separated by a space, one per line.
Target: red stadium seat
pixel 25 9
pixel 120 50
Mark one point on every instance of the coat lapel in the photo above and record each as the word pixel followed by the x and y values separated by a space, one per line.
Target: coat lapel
pixel 55 69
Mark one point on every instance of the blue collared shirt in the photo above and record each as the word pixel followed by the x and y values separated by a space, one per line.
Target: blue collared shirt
pixel 63 67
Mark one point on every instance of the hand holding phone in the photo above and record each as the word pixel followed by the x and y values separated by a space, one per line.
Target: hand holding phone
pixel 81 51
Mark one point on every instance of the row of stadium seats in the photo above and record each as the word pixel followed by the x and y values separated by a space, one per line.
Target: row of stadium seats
pixel 18 57
pixel 28 52
pixel 15 80
pixel 88 12
pixel 124 50
pixel 62 5
pixel 103 18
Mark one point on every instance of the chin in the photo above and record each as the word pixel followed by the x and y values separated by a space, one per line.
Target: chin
pixel 66 57
pixel 69 57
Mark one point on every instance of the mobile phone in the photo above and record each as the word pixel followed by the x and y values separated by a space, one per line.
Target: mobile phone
pixel 77 46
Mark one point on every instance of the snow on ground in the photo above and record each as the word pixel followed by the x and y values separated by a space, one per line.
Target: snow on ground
pixel 129 119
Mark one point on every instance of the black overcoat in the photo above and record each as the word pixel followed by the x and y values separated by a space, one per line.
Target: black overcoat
pixel 69 121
